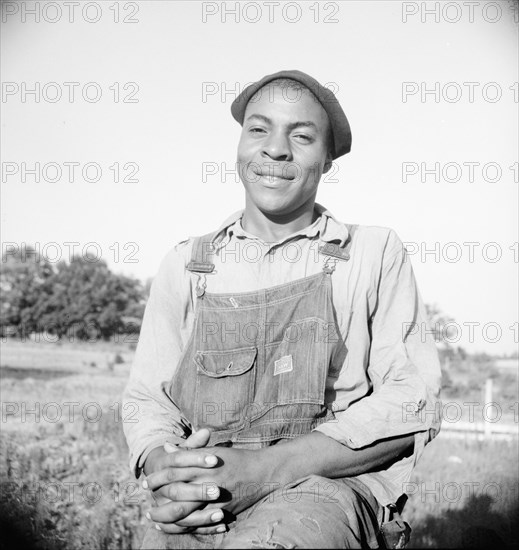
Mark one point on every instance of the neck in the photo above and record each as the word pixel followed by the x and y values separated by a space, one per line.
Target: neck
pixel 273 228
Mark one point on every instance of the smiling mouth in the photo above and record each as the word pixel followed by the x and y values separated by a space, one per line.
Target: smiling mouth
pixel 272 178
pixel 268 180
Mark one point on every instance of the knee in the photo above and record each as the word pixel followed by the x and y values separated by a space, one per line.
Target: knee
pixel 264 532
pixel 323 490
pixel 293 518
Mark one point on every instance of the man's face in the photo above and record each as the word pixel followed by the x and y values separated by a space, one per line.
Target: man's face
pixel 282 152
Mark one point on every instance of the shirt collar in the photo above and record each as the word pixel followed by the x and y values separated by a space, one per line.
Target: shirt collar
pixel 326 226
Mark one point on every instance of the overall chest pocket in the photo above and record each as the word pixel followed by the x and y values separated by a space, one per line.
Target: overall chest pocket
pixel 224 387
pixel 297 364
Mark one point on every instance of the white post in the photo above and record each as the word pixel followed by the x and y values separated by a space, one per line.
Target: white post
pixel 488 399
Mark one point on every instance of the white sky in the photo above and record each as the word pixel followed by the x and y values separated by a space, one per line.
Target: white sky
pixel 170 132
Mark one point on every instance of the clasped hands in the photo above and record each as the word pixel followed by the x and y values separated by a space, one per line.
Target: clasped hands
pixel 199 489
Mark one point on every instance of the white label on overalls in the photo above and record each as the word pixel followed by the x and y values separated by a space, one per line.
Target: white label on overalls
pixel 283 365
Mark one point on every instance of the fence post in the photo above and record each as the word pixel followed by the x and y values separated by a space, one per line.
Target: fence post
pixel 488 399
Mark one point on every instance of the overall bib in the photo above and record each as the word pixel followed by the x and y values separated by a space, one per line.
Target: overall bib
pixel 255 367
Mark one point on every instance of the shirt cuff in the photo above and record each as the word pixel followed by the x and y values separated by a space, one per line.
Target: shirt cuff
pixel 356 435
pixel 333 430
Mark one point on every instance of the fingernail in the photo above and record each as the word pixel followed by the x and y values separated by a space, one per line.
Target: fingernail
pixel 145 484
pixel 221 529
pixel 148 515
pixel 157 526
pixel 211 460
pixel 217 516
pixel 213 491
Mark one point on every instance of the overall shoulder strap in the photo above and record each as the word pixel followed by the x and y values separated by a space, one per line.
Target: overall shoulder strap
pixel 336 251
pixel 202 254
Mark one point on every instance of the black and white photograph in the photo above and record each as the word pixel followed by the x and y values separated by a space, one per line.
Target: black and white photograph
pixel 259 274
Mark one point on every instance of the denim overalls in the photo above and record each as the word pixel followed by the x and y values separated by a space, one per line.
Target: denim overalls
pixel 255 367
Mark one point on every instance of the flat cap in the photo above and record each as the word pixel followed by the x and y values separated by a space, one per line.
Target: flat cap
pixel 339 123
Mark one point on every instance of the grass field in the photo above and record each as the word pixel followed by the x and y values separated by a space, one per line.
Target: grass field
pixel 66 483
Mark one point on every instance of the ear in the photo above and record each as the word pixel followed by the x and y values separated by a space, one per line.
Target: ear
pixel 327 163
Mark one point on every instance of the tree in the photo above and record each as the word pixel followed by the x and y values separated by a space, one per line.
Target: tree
pixel 23 275
pixel 90 301
pixel 82 298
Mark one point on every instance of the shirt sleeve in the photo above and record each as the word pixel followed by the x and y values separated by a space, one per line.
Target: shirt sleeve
pixel 403 366
pixel 156 418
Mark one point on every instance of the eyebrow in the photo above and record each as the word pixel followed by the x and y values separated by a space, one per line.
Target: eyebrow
pixel 291 126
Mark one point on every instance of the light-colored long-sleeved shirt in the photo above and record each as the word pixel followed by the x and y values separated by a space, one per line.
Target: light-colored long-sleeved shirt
pixel 389 382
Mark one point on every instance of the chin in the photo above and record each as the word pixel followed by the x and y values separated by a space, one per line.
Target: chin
pixel 275 208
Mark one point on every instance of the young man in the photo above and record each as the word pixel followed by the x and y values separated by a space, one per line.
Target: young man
pixel 284 383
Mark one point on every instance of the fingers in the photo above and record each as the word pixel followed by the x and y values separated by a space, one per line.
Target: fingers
pixel 201 518
pixel 195 458
pixel 184 514
pixel 181 466
pixel 170 475
pixel 197 439
pixel 200 522
pixel 221 528
pixel 170 448
pixel 174 529
pixel 190 492
pixel 159 499
pixel 180 458
pixel 172 512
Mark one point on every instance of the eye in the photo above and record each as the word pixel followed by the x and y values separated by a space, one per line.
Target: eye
pixel 304 137
pixel 256 130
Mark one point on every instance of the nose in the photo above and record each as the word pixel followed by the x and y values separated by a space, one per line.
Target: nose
pixel 277 147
